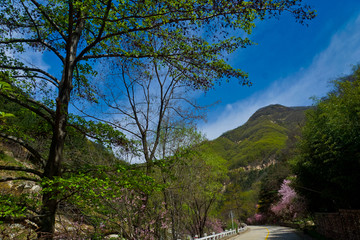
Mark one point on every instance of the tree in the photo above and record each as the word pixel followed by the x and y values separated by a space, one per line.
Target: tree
pixel 329 149
pixel 77 33
pixel 290 206
pixel 241 203
pixel 149 100
pixel 270 185
pixel 197 190
pixel 177 145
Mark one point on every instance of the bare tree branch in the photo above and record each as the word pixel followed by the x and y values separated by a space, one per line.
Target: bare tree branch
pixel 101 120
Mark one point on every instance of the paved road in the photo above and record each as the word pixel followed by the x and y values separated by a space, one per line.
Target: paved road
pixel 270 233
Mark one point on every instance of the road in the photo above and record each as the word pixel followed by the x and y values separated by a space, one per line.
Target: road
pixel 270 233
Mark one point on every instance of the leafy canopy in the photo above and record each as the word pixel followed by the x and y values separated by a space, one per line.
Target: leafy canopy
pixel 329 148
pixel 78 31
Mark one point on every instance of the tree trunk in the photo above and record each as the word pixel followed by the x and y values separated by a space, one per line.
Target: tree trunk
pixel 53 166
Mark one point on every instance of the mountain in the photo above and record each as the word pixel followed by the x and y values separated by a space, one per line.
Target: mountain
pixel 261 139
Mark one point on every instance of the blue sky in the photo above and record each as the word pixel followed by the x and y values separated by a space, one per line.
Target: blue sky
pixel 290 64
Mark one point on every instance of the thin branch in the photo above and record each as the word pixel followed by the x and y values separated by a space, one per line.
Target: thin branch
pixel 35 153
pixel 35 76
pixel 82 56
pixel 191 103
pixel 135 17
pixel 52 22
pixel 57 53
pixel 38 40
pixel 89 29
pixel 82 131
pixel 98 40
pixel 305 188
pixel 21 169
pixel 102 120
pixel 118 108
pixel 162 110
pixel 15 99
pixel 16 25
pixel 114 55
pixel 19 40
pixel 44 107
pixel 104 20
pixel 19 178
pixel 175 110
pixel 131 99
pixel 67 196
pixel 31 18
pixel 32 70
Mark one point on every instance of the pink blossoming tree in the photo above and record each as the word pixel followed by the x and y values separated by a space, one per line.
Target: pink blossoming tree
pixel 290 205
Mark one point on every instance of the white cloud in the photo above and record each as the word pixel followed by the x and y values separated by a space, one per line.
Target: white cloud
pixel 35 59
pixel 336 60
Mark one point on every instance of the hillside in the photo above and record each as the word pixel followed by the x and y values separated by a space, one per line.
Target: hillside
pixel 261 138
pixel 257 154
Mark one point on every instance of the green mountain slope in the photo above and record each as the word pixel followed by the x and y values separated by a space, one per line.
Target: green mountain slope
pixel 261 138
pixel 257 155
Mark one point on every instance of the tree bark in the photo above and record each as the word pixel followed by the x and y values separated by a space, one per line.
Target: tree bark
pixel 53 165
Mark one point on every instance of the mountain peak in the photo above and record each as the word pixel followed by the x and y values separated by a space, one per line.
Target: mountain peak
pixel 261 137
pixel 268 110
pixel 272 116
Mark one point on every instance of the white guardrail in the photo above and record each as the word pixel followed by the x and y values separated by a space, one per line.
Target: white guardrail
pixel 222 234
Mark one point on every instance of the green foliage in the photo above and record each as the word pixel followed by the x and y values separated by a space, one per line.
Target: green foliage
pixel 14 201
pixel 329 149
pixel 263 137
pixel 79 150
pixel 269 135
pixel 109 198
pixel 101 132
pixel 25 123
pixel 75 33
pixel 239 200
pixel 98 183
pixel 10 205
pixel 254 151
pixel 4 115
pixel 194 182
pixel 270 184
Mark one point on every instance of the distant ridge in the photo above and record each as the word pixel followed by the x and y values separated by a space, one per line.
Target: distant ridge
pixel 275 109
pixel 261 138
